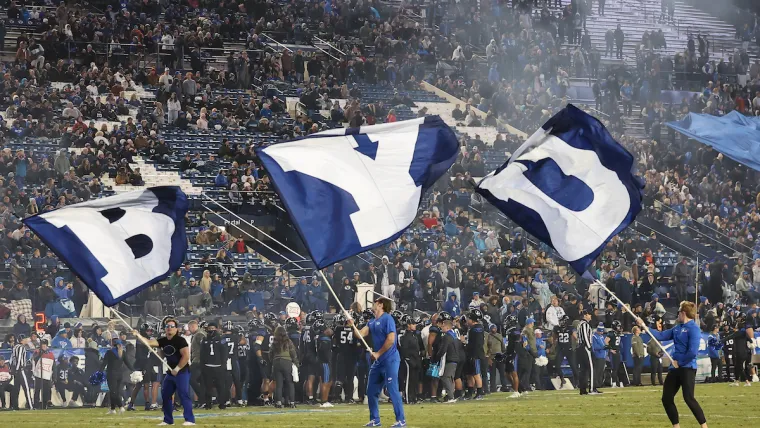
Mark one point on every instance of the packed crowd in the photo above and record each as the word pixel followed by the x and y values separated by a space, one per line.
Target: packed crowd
pixel 524 84
pixel 483 352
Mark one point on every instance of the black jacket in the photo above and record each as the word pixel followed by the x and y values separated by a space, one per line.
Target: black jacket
pixel 114 365
pixel 411 348
pixel 448 347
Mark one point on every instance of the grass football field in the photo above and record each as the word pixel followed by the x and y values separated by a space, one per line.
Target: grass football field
pixel 724 406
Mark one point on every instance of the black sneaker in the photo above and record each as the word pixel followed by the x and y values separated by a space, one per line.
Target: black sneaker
pixel 131 408
pixel 480 397
pixel 292 405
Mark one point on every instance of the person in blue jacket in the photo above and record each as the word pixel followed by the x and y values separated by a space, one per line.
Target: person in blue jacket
pixel 62 290
pixel 686 336
pixel 599 347
pixel 61 340
pixel 452 305
pixel 714 347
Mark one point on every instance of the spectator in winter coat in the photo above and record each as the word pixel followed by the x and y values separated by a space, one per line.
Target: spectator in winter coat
pixel 61 340
pixel 452 305
pixel 655 307
pixel 63 290
pixel 21 326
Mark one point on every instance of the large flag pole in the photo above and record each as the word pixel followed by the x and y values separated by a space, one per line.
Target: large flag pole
pixel 640 322
pixel 139 337
pixel 358 333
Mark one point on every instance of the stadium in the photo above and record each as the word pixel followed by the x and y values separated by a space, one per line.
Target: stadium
pixel 422 213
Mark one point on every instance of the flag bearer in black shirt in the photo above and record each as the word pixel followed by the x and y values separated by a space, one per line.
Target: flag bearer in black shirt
pixel 173 347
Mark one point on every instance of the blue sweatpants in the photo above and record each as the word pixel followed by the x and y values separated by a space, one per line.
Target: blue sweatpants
pixel 181 385
pixel 381 375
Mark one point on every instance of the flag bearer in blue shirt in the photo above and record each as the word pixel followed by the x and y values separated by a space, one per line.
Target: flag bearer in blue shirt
pixel 384 370
pixel 686 336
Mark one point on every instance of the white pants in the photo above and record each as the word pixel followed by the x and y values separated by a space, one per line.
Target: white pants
pixel 388 290
pixel 39 62
pixel 450 290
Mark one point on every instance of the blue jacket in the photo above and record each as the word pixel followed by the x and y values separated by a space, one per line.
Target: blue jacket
pixel 60 289
pixel 598 346
pixel 541 346
pixel 686 338
pixel 452 306
pixel 60 342
pixel 714 345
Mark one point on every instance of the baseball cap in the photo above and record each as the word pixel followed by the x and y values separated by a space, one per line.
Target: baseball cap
pixel 655 296
pixel 529 320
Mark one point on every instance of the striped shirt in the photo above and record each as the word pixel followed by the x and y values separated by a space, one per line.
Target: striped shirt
pixel 585 338
pixel 19 359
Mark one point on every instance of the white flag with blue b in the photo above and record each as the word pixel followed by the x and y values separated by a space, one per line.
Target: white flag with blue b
pixel 121 244
pixel 570 185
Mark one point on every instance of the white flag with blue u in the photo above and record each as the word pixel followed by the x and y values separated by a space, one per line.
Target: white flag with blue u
pixel 348 190
pixel 570 185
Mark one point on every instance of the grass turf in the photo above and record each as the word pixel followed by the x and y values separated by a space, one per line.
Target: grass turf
pixel 724 406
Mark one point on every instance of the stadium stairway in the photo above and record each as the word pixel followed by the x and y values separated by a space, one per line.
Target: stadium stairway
pixel 637 16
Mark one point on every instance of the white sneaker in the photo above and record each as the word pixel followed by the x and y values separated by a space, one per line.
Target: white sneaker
pixel 240 402
pixel 163 424
pixel 747 384
pixel 453 400
pixel 111 412
pixel 734 384
pixel 122 410
pixel 593 393
pixel 524 394
pixel 514 395
pixel 188 424
pixel 326 404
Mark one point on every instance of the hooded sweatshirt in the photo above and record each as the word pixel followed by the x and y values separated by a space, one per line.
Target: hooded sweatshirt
pixel 60 289
pixel 60 341
pixel 452 305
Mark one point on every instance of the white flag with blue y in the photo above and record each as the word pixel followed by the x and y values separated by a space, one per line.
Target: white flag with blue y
pixel 121 244
pixel 348 190
pixel 571 185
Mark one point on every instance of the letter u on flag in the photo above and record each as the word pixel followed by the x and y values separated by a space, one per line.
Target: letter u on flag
pixel 570 185
pixel 121 244
pixel 348 190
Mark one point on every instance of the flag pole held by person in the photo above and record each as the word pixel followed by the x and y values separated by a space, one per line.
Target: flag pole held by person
pixel 638 320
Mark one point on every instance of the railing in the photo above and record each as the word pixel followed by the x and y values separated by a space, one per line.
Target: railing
pixel 702 234
pixel 289 260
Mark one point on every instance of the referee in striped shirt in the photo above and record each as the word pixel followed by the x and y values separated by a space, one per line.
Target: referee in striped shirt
pixel 583 356
pixel 19 363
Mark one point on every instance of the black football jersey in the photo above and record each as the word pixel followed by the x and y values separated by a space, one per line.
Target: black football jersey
pixel 564 335
pixel 231 342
